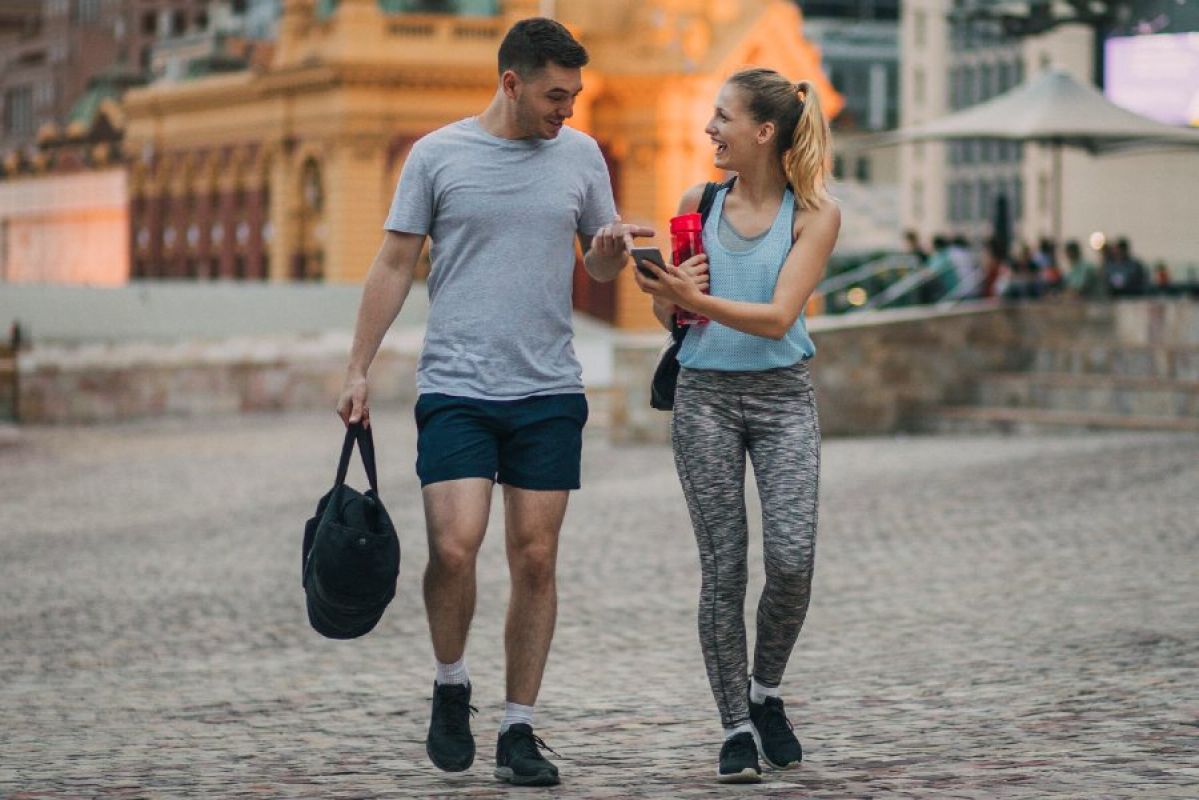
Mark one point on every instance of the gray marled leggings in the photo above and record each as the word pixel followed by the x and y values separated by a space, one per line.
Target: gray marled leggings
pixel 718 417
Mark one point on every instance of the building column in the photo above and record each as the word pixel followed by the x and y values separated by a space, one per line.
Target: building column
pixel 354 210
pixel 282 214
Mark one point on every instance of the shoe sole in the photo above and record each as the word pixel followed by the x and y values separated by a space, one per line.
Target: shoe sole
pixel 506 775
pixel 442 766
pixel 766 758
pixel 747 775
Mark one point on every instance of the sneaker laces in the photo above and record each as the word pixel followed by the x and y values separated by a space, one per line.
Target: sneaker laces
pixel 529 744
pixel 775 717
pixel 458 711
pixel 738 746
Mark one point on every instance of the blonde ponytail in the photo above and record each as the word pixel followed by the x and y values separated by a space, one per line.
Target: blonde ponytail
pixel 806 161
pixel 802 131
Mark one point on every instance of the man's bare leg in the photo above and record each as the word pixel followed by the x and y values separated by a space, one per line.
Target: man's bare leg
pixel 533 520
pixel 456 520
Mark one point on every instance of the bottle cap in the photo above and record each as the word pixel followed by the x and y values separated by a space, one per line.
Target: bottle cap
pixel 686 223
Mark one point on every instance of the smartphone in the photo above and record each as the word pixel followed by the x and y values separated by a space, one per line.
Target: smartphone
pixel 650 254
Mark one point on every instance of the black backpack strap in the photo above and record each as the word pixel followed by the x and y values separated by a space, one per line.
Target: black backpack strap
pixel 366 448
pixel 709 196
pixel 705 205
pixel 706 200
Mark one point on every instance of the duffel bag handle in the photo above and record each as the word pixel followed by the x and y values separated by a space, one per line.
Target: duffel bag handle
pixel 357 432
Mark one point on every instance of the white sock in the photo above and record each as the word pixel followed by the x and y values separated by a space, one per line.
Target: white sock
pixel 744 727
pixel 515 714
pixel 453 673
pixel 758 693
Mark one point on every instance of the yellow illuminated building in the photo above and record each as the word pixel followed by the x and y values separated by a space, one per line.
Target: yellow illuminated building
pixel 286 172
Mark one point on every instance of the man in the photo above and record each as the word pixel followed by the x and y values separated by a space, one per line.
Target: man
pixel 1082 277
pixel 1045 260
pixel 1126 276
pixel 502 197
pixel 912 243
pixel 944 278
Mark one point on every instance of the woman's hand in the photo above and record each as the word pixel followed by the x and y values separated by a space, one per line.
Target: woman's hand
pixel 681 286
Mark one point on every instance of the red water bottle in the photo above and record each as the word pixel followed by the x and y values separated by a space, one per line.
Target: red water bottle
pixel 687 240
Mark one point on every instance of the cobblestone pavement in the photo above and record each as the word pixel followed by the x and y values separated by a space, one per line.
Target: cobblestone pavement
pixel 992 617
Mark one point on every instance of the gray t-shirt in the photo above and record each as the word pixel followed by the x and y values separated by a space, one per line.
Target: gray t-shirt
pixel 502 215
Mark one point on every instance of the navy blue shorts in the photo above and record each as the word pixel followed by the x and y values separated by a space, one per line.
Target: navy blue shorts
pixel 534 443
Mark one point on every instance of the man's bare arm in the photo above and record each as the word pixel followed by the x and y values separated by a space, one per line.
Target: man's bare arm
pixel 383 295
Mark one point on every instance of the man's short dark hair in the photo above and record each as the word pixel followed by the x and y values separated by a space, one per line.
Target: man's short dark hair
pixel 532 43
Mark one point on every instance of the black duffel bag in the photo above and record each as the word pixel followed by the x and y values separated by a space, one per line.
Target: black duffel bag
pixel 351 555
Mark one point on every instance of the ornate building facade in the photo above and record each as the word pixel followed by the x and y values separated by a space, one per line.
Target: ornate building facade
pixel 286 172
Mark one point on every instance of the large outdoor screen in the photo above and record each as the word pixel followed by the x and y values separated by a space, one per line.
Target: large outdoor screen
pixel 1156 76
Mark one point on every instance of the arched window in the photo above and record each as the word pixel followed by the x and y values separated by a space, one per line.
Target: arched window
pixel 310 185
pixel 308 260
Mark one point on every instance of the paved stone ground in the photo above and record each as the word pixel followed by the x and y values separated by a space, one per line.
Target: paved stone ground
pixel 992 618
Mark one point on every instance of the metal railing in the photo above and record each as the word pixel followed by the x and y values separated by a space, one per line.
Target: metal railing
pixel 916 278
pixel 902 287
pixel 891 263
pixel 965 290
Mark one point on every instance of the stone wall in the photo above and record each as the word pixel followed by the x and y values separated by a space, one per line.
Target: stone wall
pixel 1174 323
pixel 109 383
pixel 875 371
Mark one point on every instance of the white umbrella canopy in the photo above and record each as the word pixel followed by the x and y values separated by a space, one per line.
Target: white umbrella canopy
pixel 1054 108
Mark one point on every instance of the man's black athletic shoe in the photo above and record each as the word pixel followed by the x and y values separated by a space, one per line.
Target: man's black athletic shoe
pixel 739 760
pixel 773 733
pixel 450 745
pixel 518 758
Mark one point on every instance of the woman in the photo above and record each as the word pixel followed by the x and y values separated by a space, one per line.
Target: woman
pixel 744 387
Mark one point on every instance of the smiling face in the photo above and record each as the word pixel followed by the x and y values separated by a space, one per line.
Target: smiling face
pixel 738 138
pixel 544 100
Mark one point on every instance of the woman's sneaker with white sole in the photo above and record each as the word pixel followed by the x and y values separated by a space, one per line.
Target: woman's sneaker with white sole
pixel 774 734
pixel 739 760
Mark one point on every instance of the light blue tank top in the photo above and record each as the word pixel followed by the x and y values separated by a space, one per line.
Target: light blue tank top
pixel 750 277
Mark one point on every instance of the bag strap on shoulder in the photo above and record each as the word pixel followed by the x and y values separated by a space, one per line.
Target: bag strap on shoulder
pixel 705 205
pixel 709 196
pixel 358 432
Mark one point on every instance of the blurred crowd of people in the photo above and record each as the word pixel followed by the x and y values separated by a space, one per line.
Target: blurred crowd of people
pixel 1023 273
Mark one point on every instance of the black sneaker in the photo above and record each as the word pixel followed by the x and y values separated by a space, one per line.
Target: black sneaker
pixel 450 745
pixel 739 760
pixel 774 735
pixel 518 758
